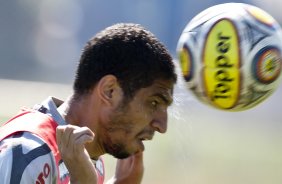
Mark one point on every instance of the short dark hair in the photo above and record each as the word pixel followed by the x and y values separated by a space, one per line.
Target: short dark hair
pixel 129 52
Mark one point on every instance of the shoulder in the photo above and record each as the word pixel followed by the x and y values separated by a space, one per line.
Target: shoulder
pixel 26 158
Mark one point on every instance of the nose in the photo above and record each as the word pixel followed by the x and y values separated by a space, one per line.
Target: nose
pixel 159 122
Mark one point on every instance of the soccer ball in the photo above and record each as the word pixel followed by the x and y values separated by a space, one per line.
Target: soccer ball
pixel 230 56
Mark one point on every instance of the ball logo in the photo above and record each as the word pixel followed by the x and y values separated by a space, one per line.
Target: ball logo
pixel 221 60
pixel 186 63
pixel 267 65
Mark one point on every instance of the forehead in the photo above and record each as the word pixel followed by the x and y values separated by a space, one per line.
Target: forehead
pixel 163 87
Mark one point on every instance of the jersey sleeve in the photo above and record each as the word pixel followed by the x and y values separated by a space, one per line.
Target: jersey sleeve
pixel 26 159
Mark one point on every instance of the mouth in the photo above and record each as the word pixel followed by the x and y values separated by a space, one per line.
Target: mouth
pixel 147 137
pixel 144 138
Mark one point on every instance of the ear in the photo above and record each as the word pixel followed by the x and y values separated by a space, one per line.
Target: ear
pixel 109 90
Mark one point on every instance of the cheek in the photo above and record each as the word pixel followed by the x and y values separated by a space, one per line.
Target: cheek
pixel 142 113
pixel 120 125
pixel 130 121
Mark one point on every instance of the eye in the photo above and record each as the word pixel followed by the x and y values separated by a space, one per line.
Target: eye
pixel 155 103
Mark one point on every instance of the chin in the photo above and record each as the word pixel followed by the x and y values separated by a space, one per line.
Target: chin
pixel 121 155
pixel 118 151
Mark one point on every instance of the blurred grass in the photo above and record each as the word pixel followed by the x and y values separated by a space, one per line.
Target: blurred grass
pixel 3 119
pixel 202 145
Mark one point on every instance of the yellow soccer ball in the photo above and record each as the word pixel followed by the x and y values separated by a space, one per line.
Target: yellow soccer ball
pixel 230 56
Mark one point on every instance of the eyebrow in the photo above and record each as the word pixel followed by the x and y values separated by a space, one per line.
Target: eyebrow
pixel 168 101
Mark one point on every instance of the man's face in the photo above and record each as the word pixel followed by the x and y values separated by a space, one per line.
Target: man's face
pixel 137 120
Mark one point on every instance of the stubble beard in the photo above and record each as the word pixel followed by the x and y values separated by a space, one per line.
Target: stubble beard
pixel 118 123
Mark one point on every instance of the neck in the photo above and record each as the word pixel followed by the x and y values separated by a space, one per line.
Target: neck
pixel 70 111
pixel 81 113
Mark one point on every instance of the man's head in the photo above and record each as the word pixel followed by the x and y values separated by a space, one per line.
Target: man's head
pixel 132 75
pixel 127 51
